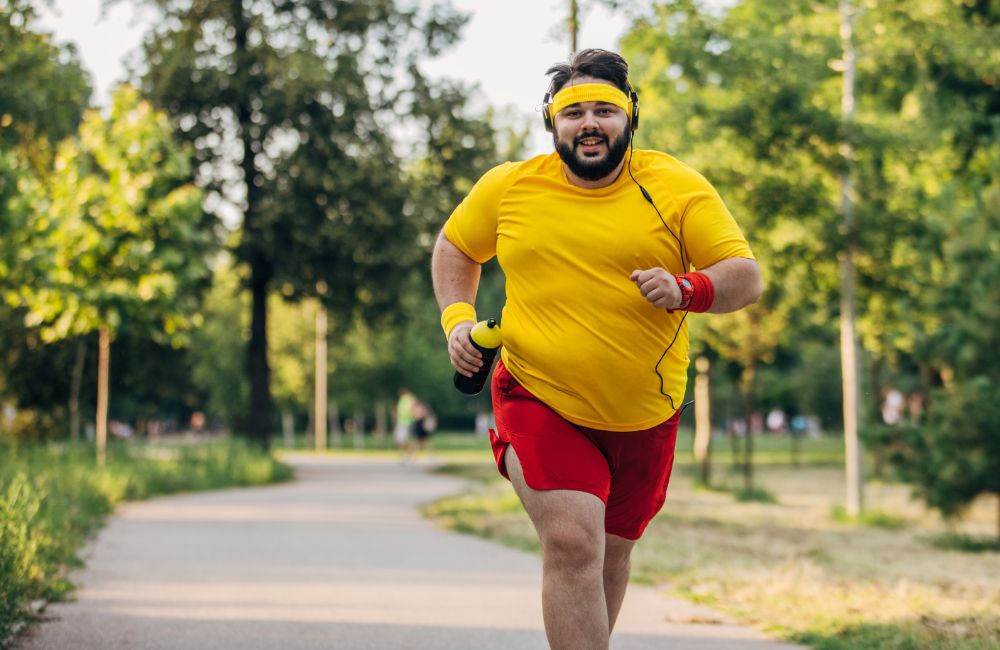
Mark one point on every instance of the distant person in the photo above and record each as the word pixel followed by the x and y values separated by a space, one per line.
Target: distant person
pixel 892 406
pixel 424 423
pixel 776 421
pixel 403 430
pixel 598 244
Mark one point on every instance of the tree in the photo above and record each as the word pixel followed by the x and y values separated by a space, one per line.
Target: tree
pixel 956 457
pixel 118 238
pixel 292 108
pixel 45 93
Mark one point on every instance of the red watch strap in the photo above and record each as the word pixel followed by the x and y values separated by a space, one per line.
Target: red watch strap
pixel 697 292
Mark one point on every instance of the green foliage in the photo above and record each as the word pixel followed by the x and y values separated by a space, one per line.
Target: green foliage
pixel 19 565
pixel 45 91
pixel 754 495
pixel 218 349
pixel 45 87
pixel 116 231
pixel 52 498
pixel 967 543
pixel 956 457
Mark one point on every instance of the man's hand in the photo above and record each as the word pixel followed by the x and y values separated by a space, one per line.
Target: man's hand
pixel 658 287
pixel 465 358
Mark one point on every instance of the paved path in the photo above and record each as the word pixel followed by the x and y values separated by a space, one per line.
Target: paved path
pixel 338 559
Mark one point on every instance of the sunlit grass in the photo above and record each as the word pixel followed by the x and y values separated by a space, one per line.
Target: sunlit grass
pixel 796 566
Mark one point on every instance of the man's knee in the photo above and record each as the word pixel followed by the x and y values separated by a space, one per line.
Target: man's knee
pixel 573 546
pixel 618 554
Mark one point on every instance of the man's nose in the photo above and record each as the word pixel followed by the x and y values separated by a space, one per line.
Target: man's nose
pixel 589 121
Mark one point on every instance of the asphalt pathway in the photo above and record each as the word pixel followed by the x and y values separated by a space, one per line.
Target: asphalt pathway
pixel 339 559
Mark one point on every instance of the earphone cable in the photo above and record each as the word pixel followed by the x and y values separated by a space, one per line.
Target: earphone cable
pixel 684 265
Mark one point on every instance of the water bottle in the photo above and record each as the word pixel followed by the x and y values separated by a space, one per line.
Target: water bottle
pixel 485 337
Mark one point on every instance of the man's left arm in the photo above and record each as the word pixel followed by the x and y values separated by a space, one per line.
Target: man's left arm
pixel 737 284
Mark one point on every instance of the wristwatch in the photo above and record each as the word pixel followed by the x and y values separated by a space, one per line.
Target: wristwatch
pixel 687 292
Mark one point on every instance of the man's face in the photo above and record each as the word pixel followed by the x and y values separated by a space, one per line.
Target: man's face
pixel 591 137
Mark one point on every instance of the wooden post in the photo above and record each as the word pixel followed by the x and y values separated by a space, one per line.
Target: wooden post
pixel 103 363
pixel 702 419
pixel 319 419
pixel 848 336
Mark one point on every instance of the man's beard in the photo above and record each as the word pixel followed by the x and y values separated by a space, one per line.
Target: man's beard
pixel 593 169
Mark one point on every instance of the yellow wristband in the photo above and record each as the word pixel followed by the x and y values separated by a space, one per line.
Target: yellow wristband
pixel 456 313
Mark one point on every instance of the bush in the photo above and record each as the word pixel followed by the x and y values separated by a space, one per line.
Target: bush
pixel 20 571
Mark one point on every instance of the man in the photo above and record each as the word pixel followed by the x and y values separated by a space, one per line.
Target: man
pixel 597 242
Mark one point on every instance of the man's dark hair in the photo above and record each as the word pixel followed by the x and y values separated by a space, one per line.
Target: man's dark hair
pixel 600 64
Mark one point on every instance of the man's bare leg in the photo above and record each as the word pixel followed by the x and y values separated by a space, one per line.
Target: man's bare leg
pixel 617 565
pixel 570 527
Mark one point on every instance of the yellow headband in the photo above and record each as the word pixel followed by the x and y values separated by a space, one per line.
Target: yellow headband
pixel 591 93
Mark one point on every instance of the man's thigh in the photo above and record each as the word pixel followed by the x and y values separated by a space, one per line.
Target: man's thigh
pixel 553 509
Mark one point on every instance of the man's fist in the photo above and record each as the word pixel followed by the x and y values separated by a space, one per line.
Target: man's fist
pixel 658 287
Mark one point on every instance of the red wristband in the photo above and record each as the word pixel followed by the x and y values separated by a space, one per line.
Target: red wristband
pixel 703 292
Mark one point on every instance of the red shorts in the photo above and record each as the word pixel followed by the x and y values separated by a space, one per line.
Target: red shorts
pixel 627 470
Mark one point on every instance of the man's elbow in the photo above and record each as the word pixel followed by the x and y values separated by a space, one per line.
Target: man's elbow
pixel 753 285
pixel 756 289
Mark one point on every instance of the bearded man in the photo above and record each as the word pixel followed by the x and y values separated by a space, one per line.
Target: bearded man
pixel 606 250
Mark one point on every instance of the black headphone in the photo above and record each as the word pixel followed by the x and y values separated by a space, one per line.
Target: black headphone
pixel 547 110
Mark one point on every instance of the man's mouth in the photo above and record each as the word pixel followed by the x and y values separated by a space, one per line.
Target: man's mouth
pixel 591 144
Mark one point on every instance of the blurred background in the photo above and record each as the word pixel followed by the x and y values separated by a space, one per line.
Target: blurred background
pixel 216 217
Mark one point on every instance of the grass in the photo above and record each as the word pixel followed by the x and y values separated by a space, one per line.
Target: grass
pixel 896 578
pixel 53 497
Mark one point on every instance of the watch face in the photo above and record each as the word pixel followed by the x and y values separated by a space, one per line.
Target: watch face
pixel 687 283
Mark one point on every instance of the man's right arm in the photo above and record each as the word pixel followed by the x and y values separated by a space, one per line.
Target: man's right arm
pixel 456 279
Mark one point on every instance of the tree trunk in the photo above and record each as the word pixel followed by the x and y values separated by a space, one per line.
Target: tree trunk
pixel 260 372
pixel 734 444
pixel 252 242
pixel 320 396
pixel 358 434
pixel 336 433
pixel 288 429
pixel 103 363
pixel 381 418
pixel 848 336
pixel 74 393
pixel 573 25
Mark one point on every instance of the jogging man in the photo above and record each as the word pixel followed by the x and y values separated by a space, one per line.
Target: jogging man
pixel 598 243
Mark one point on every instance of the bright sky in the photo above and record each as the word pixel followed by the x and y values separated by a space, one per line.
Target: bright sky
pixel 506 46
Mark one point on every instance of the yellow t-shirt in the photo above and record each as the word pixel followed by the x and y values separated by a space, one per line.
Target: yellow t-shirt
pixel 577 332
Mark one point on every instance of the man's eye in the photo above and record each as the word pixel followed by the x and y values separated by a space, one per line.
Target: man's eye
pixel 572 113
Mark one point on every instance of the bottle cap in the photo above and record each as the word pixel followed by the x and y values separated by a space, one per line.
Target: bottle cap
pixel 486 334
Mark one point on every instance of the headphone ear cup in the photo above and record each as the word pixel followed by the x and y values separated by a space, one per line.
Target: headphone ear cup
pixel 546 112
